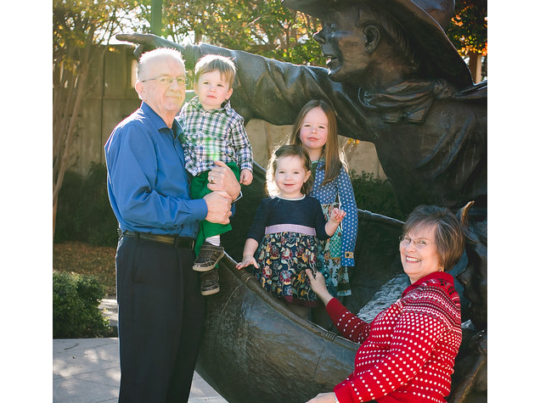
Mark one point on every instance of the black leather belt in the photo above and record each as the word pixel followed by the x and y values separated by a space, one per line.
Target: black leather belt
pixel 171 240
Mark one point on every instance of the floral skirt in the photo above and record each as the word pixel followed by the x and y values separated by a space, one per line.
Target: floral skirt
pixel 329 261
pixel 283 259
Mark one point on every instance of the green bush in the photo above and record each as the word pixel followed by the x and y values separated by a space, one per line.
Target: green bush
pixel 375 195
pixel 68 204
pixel 76 311
pixel 84 213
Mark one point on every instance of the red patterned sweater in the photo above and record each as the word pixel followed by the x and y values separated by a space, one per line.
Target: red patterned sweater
pixel 407 353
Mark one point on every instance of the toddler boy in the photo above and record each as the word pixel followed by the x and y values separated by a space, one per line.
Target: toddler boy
pixel 213 131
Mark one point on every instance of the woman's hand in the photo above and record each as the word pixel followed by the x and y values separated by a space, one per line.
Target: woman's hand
pixel 323 398
pixel 318 285
pixel 221 177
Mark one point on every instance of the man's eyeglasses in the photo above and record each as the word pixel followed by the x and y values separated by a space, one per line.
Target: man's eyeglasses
pixel 405 240
pixel 166 80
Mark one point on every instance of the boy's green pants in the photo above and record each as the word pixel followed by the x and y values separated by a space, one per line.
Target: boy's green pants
pixel 198 191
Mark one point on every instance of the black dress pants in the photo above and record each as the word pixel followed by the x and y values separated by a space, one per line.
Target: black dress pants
pixel 160 321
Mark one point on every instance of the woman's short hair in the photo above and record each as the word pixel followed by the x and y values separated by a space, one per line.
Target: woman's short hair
pixel 449 236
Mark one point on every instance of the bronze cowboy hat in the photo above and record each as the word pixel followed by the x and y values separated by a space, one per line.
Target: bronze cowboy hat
pixel 423 20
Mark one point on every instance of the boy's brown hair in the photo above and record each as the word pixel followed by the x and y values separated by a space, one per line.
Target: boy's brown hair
pixel 223 64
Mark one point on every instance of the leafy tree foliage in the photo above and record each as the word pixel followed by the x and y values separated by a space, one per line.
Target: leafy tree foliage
pixel 78 25
pixel 268 29
pixel 468 30
pixel 256 26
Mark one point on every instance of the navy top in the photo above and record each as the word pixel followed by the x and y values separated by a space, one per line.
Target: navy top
pixel 275 210
pixel 146 179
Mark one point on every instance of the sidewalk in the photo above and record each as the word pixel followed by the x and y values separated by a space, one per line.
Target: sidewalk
pixel 88 370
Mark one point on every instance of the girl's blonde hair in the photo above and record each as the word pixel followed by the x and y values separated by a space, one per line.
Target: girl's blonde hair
pixel 288 151
pixel 333 156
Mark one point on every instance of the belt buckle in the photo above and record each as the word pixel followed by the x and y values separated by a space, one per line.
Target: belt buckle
pixel 178 239
pixel 176 243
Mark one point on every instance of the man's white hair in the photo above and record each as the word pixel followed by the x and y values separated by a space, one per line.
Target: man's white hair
pixel 151 55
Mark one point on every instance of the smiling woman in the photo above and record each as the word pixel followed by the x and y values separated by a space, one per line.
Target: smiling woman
pixel 418 252
pixel 432 242
pixel 407 353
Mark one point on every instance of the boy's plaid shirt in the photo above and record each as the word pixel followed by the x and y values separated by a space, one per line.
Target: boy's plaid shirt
pixel 213 135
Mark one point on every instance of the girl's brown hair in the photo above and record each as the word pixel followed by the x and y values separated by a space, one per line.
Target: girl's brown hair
pixel 331 152
pixel 288 151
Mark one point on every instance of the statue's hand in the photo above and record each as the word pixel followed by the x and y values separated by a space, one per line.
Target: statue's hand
pixel 147 42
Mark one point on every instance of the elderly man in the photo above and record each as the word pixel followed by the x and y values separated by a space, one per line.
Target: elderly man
pixel 161 311
pixel 394 79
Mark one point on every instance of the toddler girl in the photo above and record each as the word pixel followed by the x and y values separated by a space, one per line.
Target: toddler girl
pixel 282 242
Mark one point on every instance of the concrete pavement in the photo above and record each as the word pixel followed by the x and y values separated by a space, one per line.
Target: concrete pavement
pixel 88 370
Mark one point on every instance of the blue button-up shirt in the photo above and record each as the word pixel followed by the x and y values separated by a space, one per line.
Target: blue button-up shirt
pixel 146 178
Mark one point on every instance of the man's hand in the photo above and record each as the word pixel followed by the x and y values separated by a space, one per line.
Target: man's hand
pixel 221 178
pixel 219 207
pixel 147 42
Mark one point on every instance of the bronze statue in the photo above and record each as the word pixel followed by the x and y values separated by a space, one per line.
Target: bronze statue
pixel 394 79
pixel 469 383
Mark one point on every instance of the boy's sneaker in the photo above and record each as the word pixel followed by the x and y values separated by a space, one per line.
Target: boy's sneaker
pixel 208 257
pixel 210 283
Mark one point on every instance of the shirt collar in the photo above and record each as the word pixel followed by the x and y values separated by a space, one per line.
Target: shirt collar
pixel 154 117
pixel 319 164
pixel 438 275
pixel 283 198
pixel 159 122
pixel 177 129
